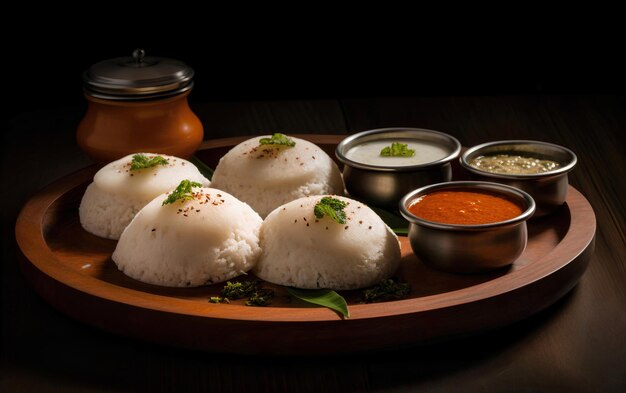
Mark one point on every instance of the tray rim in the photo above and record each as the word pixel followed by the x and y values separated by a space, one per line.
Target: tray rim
pixel 41 257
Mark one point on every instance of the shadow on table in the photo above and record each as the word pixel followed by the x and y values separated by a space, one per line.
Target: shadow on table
pixel 115 362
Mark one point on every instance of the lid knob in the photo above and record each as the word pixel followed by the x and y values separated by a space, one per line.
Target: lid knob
pixel 138 55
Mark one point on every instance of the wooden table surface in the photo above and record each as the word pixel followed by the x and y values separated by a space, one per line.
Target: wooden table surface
pixel 577 345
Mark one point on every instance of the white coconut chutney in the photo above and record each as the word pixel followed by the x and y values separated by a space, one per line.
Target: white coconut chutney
pixel 369 153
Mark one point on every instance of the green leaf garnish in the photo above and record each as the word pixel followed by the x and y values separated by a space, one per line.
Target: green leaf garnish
pixel 278 139
pixel 322 297
pixel 386 290
pixel 141 161
pixel 237 290
pixel 397 150
pixel 202 167
pixel 332 208
pixel 182 192
pixel 260 298
pixel 395 221
pixel 257 297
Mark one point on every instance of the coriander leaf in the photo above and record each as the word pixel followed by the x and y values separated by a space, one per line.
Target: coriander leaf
pixel 322 297
pixel 332 208
pixel 183 191
pixel 202 167
pixel 386 290
pixel 278 139
pixel 141 161
pixel 260 298
pixel 397 150
pixel 237 290
pixel 218 299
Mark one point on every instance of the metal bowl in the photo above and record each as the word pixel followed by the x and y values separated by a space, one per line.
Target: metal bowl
pixel 384 185
pixel 548 189
pixel 469 248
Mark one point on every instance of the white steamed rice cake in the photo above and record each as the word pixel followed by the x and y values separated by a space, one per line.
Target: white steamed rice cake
pixel 210 238
pixel 304 251
pixel 270 175
pixel 118 193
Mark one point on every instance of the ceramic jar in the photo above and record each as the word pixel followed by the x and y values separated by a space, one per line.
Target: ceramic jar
pixel 138 104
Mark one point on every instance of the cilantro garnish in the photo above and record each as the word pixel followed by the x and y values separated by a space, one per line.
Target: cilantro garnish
pixel 260 298
pixel 386 290
pixel 332 208
pixel 397 150
pixel 278 139
pixel 257 297
pixel 141 161
pixel 237 290
pixel 183 191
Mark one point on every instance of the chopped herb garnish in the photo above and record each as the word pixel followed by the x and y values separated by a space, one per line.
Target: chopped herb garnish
pixel 260 298
pixel 332 208
pixel 183 191
pixel 278 139
pixel 257 297
pixel 238 290
pixel 141 161
pixel 322 297
pixel 386 290
pixel 397 150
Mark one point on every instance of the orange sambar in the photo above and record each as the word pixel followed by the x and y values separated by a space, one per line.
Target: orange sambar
pixel 464 207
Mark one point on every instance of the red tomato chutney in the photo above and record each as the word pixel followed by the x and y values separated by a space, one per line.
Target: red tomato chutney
pixel 464 207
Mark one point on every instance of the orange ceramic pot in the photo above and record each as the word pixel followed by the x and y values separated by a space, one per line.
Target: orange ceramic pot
pixel 138 104
pixel 113 129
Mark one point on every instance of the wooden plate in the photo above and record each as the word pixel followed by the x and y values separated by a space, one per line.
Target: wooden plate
pixel 72 270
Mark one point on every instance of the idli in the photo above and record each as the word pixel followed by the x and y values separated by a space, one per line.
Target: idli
pixel 121 188
pixel 328 242
pixel 266 172
pixel 190 237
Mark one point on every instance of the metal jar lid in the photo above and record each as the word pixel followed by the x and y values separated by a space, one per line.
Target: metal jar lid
pixel 137 78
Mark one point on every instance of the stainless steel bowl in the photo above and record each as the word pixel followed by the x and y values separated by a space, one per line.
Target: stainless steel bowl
pixel 385 185
pixel 469 248
pixel 548 189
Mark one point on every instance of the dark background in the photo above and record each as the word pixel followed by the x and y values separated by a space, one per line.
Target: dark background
pixel 310 61
pixel 558 78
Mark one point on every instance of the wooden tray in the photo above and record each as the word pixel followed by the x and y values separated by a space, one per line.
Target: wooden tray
pixel 73 271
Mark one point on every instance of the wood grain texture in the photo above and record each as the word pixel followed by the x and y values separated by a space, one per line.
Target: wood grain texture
pixel 574 346
pixel 73 270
